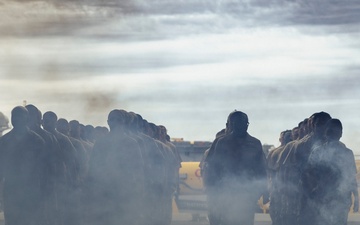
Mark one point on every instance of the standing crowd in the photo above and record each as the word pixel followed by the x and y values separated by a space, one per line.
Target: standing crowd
pixel 310 179
pixel 55 172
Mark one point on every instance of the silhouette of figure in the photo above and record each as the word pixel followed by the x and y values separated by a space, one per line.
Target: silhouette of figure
pixel 116 176
pixel 329 179
pixel 67 187
pixel 22 170
pixel 100 132
pixel 240 168
pixel 161 212
pixel 292 168
pixel 54 164
pixel 89 133
pixel 171 173
pixel 62 126
pixel 273 182
pixel 81 161
pixel 154 164
pixel 213 212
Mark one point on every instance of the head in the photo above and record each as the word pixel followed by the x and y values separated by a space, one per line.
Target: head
pixel 100 132
pixel 117 119
pixel 285 137
pixel 162 132
pixel 62 126
pixel 304 128
pixel 333 130
pixel 133 124
pixel 19 117
pixel 295 133
pixel 238 123
pixel 34 116
pixel 74 129
pixel 49 121
pixel 153 131
pixel 318 122
pixel 89 132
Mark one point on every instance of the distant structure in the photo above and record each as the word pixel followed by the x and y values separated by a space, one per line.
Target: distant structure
pixel 190 151
pixel 4 123
pixel 193 151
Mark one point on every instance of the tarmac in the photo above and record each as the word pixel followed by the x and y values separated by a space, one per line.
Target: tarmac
pixel 187 219
pixel 260 219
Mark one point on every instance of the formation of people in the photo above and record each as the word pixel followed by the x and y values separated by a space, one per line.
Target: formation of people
pixel 57 172
pixel 309 179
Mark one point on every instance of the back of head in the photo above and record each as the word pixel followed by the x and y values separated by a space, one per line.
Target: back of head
pixel 287 136
pixel 318 122
pixel 74 128
pixel 295 133
pixel 117 119
pixel 19 117
pixel 49 120
pixel 333 130
pixel 303 128
pixel 62 125
pixel 34 115
pixel 238 122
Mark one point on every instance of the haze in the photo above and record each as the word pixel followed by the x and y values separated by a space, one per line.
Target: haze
pixel 185 64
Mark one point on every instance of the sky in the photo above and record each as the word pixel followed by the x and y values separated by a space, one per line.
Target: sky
pixel 185 64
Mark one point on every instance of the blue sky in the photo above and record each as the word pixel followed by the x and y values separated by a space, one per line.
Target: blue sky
pixel 185 64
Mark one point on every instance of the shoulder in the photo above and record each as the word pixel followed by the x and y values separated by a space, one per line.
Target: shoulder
pixel 35 137
pixel 252 139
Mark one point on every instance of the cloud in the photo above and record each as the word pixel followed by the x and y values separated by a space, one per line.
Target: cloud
pixel 163 18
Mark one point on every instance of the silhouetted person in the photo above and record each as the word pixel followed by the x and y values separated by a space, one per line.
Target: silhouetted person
pixel 213 212
pixel 275 186
pixel 297 211
pixel 67 187
pixel 83 156
pixel 329 179
pixel 62 126
pixel 116 176
pixel 240 166
pixel 54 165
pixel 154 164
pixel 22 170
pixel 89 133
pixel 100 132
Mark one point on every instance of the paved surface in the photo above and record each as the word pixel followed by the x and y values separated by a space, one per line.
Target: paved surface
pixel 260 219
pixel 186 219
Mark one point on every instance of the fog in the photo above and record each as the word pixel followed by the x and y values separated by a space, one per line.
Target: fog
pixel 185 64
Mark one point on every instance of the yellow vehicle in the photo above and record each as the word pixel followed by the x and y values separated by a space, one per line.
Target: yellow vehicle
pixel 191 197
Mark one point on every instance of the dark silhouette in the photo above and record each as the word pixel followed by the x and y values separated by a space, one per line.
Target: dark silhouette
pixel 154 171
pixel 23 171
pixel 116 176
pixel 54 165
pixel 329 179
pixel 213 212
pixel 296 210
pixel 67 186
pixel 274 184
pixel 240 171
